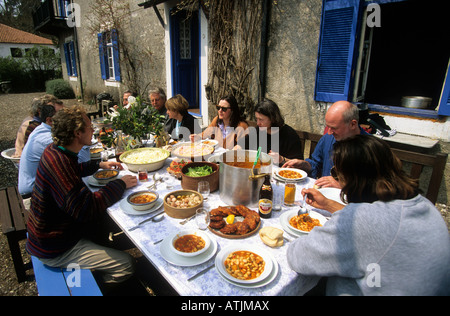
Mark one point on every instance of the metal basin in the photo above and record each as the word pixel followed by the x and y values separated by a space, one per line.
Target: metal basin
pixel 235 186
pixel 416 102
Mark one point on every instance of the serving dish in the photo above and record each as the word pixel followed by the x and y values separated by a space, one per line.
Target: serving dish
pixel 8 154
pixel 150 159
pixel 191 183
pixel 211 142
pixel 178 212
pixel 135 200
pixel 193 151
pixel 194 232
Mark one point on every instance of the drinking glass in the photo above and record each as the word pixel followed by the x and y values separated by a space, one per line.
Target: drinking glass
pixel 142 174
pixel 203 189
pixel 168 180
pixel 104 155
pixel 289 193
pixel 202 218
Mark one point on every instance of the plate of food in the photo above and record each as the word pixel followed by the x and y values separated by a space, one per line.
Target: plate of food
pixel 302 224
pixel 210 142
pixel 176 165
pixel 292 174
pixel 244 264
pixel 192 150
pixel 234 222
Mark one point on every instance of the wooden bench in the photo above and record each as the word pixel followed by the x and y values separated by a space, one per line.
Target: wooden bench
pixel 63 282
pixel 13 218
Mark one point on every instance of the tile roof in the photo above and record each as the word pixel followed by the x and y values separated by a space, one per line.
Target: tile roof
pixel 11 35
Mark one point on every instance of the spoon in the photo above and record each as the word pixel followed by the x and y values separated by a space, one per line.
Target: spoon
pixel 303 209
pixel 155 219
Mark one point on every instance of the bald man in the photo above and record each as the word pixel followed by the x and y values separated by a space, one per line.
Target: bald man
pixel 342 122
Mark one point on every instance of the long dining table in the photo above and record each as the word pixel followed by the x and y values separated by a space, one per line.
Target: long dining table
pixel 151 238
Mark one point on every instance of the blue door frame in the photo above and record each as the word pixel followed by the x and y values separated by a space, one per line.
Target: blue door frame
pixel 185 56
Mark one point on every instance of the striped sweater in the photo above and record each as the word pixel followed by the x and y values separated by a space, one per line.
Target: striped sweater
pixel 62 205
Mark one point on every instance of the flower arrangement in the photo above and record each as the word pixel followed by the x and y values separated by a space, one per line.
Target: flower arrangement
pixel 138 120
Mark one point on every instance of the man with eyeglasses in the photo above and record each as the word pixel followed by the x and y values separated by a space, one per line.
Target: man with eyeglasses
pixel 342 122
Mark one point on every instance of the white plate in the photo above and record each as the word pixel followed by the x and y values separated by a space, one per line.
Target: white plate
pixel 211 142
pixel 293 213
pixel 128 209
pixel 182 261
pixel 7 153
pixel 303 173
pixel 332 194
pixel 223 254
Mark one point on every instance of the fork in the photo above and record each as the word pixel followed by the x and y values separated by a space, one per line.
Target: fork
pixel 187 219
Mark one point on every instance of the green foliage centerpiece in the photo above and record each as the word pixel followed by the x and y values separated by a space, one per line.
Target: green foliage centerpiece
pixel 138 120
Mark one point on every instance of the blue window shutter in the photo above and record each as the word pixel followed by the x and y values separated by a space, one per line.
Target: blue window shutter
pixel 73 61
pixel 67 55
pixel 339 29
pixel 101 53
pixel 115 43
pixel 444 105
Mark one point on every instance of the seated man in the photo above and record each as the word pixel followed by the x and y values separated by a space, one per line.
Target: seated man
pixel 32 152
pixel 342 122
pixel 63 207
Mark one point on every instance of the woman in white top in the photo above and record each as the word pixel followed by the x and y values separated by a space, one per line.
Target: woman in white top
pixel 228 126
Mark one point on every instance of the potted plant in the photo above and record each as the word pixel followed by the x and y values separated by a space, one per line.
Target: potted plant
pixel 138 120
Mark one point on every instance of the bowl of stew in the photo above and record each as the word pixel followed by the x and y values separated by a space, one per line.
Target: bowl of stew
pixel 104 176
pixel 190 242
pixel 143 200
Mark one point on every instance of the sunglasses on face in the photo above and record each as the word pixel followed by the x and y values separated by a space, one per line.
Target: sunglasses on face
pixel 223 108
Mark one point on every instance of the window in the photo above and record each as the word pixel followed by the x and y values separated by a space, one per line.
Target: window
pixel 16 52
pixel 109 55
pixel 407 55
pixel 71 62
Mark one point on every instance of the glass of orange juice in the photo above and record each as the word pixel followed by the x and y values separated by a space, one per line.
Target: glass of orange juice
pixel 289 193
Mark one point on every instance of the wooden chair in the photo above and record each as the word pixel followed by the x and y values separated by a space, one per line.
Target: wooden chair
pixel 418 162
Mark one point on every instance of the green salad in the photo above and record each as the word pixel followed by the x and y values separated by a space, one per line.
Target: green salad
pixel 200 171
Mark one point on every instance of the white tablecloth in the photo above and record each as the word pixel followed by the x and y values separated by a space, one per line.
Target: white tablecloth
pixel 287 282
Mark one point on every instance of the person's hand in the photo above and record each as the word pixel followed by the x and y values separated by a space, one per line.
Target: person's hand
pixel 327 182
pixel 277 159
pixel 317 200
pixel 130 181
pixel 111 165
pixel 194 137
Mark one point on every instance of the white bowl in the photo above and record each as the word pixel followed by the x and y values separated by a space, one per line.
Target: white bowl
pixel 223 254
pixel 321 218
pixel 196 232
pixel 104 181
pixel 142 206
pixel 302 173
pixel 150 165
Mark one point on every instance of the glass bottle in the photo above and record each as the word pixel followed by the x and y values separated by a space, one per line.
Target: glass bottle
pixel 120 145
pixel 265 198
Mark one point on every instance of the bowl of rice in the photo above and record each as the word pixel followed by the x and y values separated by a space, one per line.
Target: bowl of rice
pixel 150 159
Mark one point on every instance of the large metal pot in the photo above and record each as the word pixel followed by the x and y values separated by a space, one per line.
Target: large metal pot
pixel 416 102
pixel 235 186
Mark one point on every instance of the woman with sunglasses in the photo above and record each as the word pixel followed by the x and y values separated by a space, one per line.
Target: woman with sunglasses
pixel 388 239
pixel 228 126
pixel 271 130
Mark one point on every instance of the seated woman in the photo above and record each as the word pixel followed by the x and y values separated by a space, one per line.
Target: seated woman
pixel 228 126
pixel 181 124
pixel 388 239
pixel 275 137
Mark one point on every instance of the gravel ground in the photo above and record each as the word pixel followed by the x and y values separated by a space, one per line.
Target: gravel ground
pixel 14 108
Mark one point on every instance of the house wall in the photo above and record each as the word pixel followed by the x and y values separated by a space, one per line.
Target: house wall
pixel 5 48
pixel 145 37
